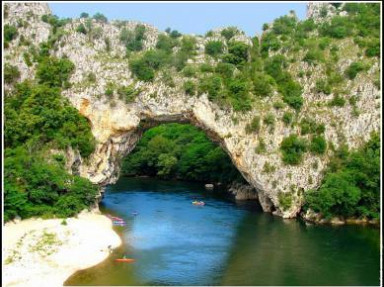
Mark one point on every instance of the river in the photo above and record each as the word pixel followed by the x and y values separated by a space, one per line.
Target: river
pixel 224 242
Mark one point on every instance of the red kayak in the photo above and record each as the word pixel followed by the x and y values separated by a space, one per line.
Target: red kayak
pixel 128 260
pixel 115 218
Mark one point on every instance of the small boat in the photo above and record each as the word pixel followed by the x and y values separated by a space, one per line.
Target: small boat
pixel 198 202
pixel 119 224
pixel 115 218
pixel 118 221
pixel 128 260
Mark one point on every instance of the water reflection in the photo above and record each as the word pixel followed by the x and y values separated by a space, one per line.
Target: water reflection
pixel 271 251
pixel 225 243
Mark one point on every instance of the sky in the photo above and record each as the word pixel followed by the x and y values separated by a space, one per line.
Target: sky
pixel 187 18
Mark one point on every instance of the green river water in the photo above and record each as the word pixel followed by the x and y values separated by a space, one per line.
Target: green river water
pixel 224 242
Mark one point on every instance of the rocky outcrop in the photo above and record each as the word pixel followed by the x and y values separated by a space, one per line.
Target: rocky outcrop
pixel 118 125
pixel 242 191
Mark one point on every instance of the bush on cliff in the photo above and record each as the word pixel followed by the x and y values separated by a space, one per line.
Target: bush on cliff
pixel 351 186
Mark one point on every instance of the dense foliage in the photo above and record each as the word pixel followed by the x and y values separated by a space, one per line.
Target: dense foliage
pixel 36 186
pixel 351 186
pixel 293 149
pixel 180 151
pixel 38 120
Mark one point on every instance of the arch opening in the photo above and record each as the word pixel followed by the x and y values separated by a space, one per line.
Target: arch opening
pixel 175 149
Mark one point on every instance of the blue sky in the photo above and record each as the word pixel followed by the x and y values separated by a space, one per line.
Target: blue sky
pixel 187 18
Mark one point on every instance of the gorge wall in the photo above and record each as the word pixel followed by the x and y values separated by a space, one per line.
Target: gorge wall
pixel 118 125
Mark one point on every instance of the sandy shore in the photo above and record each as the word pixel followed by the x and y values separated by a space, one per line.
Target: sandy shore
pixel 39 252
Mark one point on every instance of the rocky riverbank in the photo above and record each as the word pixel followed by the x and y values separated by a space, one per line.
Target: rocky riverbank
pixel 39 252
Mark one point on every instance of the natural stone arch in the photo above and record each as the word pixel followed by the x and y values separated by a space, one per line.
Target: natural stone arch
pixel 116 126
pixel 118 129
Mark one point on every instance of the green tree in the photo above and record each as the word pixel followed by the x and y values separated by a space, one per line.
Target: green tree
pixel 214 48
pixel 293 149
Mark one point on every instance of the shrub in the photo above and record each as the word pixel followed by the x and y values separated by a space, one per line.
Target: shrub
pixel 269 42
pixel 238 91
pixel 322 86
pixel 165 43
pixel 189 88
pixel 284 25
pixel 262 84
pixel 278 105
pixel 179 60
pixel 253 126
pixel 354 69
pixel 100 18
pixel 318 145
pixel 313 57
pixel 144 68
pixel 209 34
pixel 324 43
pixel 188 45
pixel 214 48
pixel 206 68
pixel 309 126
pixel 229 32
pixel 211 85
pixel 292 91
pixel 175 34
pixel 133 41
pixel 10 33
pixel 11 74
pixel 337 101
pixel 237 53
pixel 261 147
pixel 268 168
pixel 128 93
pixel 225 69
pixel 27 59
pixel 285 200
pixel 287 118
pixel 373 48
pixel 108 91
pixel 141 70
pixel 339 27
pixel 81 29
pixel 54 72
pixel 293 149
pixel 189 71
pixel 269 120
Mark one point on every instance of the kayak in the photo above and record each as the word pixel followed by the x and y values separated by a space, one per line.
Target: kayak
pixel 198 202
pixel 115 218
pixel 115 221
pixel 128 260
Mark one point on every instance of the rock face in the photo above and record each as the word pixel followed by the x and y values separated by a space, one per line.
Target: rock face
pixel 243 191
pixel 117 125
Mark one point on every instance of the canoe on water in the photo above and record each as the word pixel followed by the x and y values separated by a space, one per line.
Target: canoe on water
pixel 128 260
pixel 115 218
pixel 198 202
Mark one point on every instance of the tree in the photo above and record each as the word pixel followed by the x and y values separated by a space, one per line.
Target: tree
pixel 54 72
pixel 293 149
pixel 100 18
pixel 214 48
pixel 11 74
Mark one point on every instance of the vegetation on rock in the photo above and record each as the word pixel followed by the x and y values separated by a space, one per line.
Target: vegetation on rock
pixel 351 186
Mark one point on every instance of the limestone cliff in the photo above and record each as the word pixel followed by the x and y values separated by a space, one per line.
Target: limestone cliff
pixel 117 125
